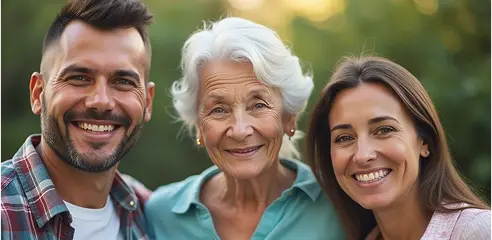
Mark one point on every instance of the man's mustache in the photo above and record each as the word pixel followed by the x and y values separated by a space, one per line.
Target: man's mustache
pixel 119 119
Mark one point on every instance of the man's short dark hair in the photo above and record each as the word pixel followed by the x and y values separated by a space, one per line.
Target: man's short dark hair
pixel 103 15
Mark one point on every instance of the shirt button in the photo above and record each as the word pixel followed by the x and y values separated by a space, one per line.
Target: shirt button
pixel 132 203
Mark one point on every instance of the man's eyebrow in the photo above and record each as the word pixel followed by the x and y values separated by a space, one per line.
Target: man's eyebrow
pixel 127 73
pixel 75 68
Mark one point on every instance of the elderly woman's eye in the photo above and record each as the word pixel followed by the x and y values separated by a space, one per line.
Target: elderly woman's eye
pixel 218 110
pixel 260 105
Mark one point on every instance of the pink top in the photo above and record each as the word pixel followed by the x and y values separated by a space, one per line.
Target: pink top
pixel 470 223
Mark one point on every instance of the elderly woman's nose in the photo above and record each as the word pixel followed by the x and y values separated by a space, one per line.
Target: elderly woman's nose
pixel 240 126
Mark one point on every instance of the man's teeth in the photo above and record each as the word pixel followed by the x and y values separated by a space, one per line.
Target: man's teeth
pixel 372 176
pixel 96 128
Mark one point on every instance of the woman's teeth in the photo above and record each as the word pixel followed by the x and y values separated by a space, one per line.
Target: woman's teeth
pixel 371 177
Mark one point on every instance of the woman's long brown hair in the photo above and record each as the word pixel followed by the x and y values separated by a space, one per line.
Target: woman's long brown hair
pixel 439 181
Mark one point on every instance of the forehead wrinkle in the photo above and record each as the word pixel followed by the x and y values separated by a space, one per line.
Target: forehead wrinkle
pixel 218 95
pixel 221 78
pixel 261 91
pixel 238 93
pixel 216 81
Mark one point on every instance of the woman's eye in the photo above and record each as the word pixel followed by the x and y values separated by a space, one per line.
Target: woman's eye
pixel 384 130
pixel 343 138
pixel 260 105
pixel 218 110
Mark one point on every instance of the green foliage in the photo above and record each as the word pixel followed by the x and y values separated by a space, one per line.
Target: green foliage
pixel 448 50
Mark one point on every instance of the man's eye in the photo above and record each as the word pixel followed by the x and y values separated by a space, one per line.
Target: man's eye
pixel 125 82
pixel 78 78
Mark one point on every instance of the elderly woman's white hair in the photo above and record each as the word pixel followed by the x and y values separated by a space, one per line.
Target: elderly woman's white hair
pixel 242 40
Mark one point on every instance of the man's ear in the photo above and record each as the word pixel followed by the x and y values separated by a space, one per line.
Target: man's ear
pixel 36 87
pixel 149 99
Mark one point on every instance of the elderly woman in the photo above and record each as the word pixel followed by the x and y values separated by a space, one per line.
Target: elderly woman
pixel 241 93
pixel 378 149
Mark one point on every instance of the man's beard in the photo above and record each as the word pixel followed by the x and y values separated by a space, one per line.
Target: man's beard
pixel 64 148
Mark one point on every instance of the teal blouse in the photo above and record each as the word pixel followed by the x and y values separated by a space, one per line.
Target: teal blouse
pixel 174 211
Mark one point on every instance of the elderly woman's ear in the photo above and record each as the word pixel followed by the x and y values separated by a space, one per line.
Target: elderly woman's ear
pixel 289 124
pixel 199 138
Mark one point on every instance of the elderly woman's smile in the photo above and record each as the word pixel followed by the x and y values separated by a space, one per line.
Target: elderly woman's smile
pixel 244 152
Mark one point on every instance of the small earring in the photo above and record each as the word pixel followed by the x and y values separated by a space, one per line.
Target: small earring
pixel 291 131
pixel 426 153
pixel 198 142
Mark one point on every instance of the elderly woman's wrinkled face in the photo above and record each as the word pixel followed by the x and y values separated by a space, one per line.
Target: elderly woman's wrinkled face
pixel 375 149
pixel 241 121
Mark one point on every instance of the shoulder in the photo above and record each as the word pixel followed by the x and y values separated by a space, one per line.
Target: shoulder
pixel 14 201
pixel 473 223
pixel 300 168
pixel 8 173
pixel 314 208
pixel 167 207
pixel 305 180
pixel 323 210
pixel 11 186
pixel 142 192
pixel 166 196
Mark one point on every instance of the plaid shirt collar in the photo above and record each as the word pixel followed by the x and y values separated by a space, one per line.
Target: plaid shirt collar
pixel 40 190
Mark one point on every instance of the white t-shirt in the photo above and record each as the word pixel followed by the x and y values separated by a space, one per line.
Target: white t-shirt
pixel 90 223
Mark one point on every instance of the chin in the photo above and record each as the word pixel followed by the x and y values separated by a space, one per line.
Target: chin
pixel 374 202
pixel 99 164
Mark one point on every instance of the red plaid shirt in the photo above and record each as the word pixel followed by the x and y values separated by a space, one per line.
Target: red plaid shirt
pixel 32 209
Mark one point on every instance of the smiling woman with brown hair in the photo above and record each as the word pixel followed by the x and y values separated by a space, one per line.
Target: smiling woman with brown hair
pixel 378 149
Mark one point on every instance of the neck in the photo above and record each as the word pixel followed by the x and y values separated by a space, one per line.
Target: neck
pixel 405 219
pixel 84 189
pixel 255 194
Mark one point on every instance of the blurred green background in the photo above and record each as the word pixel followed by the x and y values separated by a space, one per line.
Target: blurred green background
pixel 445 43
